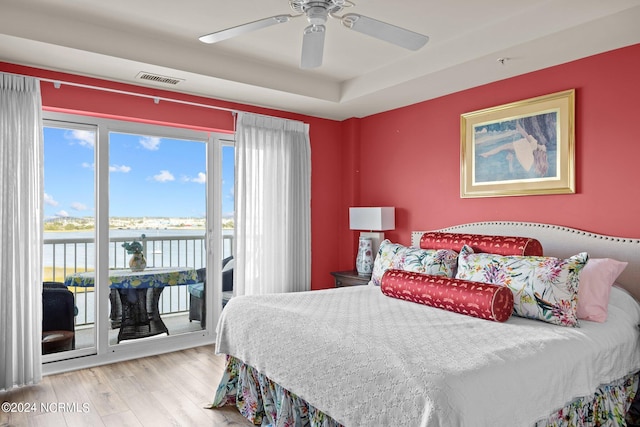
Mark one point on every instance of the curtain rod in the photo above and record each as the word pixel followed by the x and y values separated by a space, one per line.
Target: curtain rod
pixel 156 99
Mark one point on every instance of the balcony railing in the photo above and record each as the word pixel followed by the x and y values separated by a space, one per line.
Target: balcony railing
pixel 65 256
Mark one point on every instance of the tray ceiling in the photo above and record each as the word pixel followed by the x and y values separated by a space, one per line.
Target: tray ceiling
pixel 120 39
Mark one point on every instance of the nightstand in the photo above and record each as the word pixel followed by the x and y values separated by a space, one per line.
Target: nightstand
pixel 349 278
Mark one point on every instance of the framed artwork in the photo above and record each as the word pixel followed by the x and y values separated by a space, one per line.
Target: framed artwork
pixel 518 149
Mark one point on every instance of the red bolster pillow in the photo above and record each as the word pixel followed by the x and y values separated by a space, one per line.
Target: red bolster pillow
pixel 483 300
pixel 501 245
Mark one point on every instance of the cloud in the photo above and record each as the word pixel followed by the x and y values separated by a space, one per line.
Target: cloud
pixel 112 168
pixel 48 200
pixel 77 206
pixel 164 176
pixel 119 168
pixel 200 179
pixel 62 213
pixel 86 138
pixel 150 142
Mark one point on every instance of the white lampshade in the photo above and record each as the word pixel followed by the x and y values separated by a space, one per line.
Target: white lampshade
pixel 373 219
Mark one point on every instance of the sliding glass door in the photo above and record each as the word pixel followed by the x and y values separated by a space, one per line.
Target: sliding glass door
pixel 68 312
pixel 138 229
pixel 227 196
pixel 157 235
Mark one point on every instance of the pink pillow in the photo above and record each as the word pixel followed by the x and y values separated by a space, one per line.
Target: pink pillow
pixel 596 279
pixel 483 300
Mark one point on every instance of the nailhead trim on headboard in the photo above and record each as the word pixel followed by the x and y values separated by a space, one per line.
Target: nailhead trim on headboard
pixel 416 235
pixel 563 242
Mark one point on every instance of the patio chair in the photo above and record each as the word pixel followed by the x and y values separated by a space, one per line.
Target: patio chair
pixel 58 323
pixel 197 309
pixel 227 280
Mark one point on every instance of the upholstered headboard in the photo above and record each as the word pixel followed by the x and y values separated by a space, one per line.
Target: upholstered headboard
pixel 563 242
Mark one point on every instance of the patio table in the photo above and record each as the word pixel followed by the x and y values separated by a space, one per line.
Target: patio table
pixel 139 320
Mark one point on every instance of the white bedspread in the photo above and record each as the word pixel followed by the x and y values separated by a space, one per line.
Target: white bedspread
pixel 369 360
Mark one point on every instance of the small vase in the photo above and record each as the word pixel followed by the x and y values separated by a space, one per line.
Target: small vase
pixel 364 260
pixel 137 262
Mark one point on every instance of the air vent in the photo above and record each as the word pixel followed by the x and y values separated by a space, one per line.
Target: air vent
pixel 158 78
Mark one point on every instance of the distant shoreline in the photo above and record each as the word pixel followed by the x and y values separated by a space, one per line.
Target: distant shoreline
pixel 75 230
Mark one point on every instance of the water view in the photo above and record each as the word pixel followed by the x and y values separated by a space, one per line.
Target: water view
pixel 76 249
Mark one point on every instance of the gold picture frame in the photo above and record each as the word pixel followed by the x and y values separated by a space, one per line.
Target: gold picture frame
pixel 521 148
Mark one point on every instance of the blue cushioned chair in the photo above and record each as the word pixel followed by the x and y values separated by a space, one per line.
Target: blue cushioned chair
pixel 196 298
pixel 197 309
pixel 58 312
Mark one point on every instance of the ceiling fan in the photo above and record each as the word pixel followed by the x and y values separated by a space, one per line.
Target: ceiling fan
pixel 317 13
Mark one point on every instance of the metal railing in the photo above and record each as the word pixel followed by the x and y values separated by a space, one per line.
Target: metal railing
pixel 66 256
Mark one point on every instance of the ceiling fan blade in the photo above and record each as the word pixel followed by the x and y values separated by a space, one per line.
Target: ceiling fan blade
pixel 244 28
pixel 383 31
pixel 312 46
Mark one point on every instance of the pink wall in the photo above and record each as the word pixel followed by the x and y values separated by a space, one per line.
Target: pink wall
pixel 325 142
pixel 410 157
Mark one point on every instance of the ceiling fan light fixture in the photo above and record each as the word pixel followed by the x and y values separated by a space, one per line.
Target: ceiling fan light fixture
pixel 332 6
pixel 317 15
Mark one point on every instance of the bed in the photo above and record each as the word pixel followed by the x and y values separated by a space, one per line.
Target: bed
pixel 356 357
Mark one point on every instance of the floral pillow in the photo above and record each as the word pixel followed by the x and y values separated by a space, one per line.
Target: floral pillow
pixel 544 288
pixel 440 262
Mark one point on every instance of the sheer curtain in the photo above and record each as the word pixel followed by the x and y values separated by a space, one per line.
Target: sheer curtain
pixel 20 231
pixel 273 206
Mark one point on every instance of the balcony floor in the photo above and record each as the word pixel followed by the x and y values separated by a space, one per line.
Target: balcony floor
pixel 177 323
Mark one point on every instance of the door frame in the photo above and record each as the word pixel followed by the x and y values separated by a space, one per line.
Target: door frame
pixel 104 352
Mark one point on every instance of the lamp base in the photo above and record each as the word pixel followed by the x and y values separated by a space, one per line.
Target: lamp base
pixel 376 239
pixel 364 259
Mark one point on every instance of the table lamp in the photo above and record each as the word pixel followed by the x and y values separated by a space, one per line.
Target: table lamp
pixel 376 220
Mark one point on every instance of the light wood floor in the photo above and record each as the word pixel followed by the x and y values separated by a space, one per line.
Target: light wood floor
pixel 165 390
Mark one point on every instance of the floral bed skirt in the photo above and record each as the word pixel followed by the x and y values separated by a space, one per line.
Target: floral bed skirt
pixel 265 403
pixel 608 406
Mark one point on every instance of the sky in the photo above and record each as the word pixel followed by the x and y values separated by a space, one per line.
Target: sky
pixel 148 176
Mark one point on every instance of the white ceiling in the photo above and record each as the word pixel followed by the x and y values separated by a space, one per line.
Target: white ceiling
pixel 360 76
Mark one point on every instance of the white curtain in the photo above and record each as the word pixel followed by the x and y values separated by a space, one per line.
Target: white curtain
pixel 273 206
pixel 21 197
